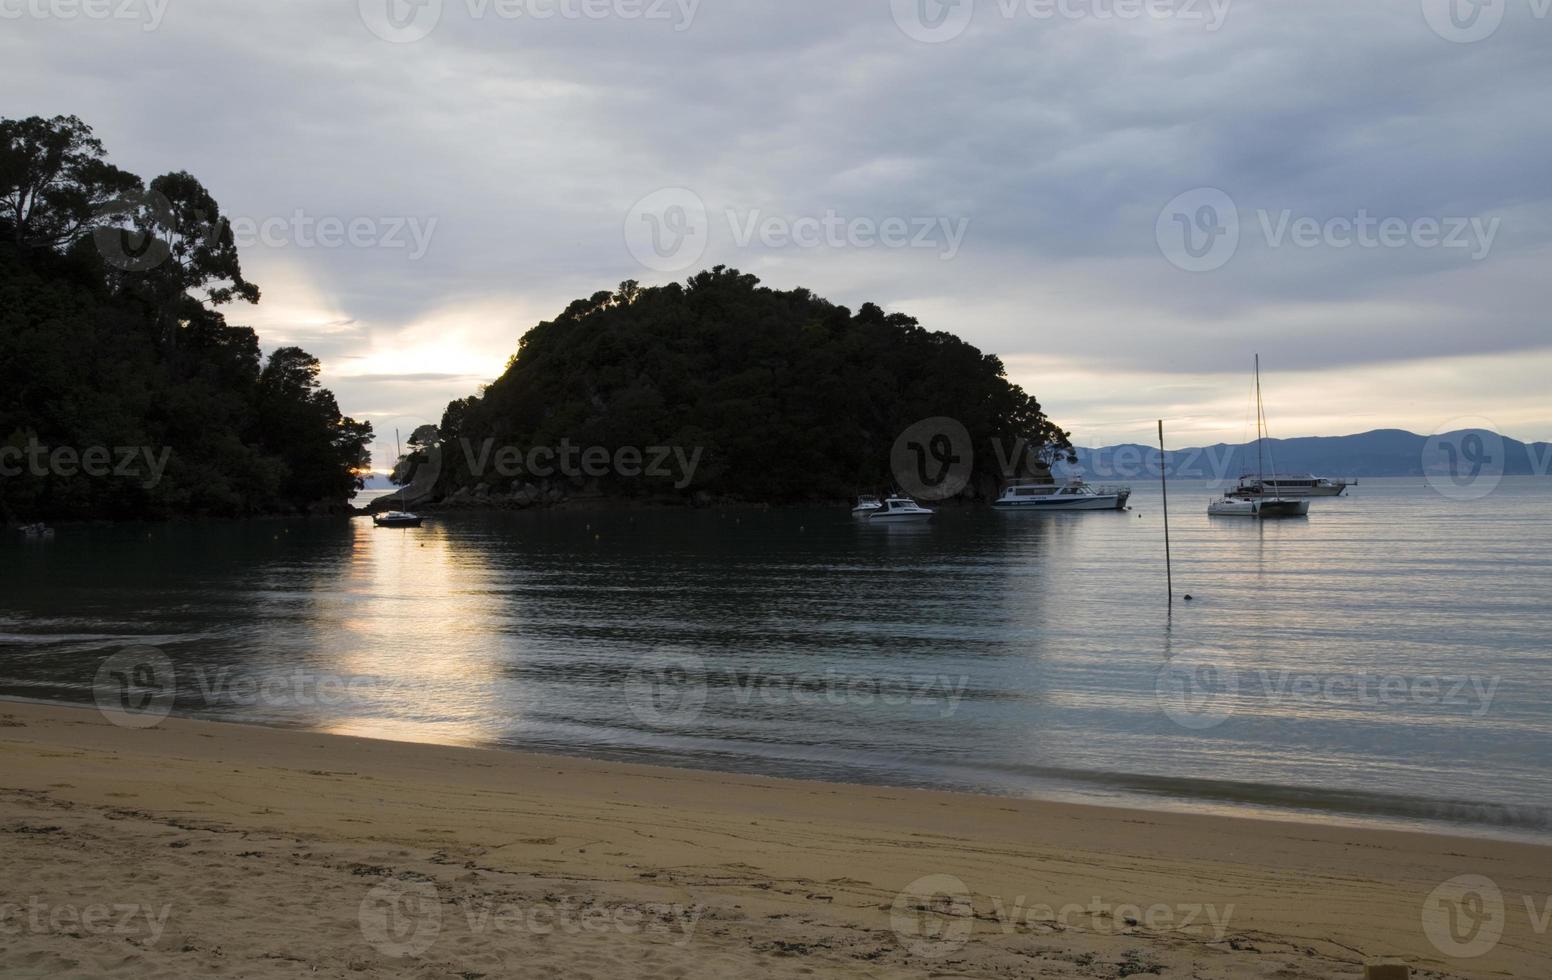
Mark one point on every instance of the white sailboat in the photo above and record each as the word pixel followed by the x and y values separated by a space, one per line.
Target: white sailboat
pixel 1256 503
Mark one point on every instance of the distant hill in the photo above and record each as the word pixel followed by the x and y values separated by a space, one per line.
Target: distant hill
pixel 1382 452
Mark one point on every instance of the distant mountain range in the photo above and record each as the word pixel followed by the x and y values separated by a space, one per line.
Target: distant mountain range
pixel 1382 452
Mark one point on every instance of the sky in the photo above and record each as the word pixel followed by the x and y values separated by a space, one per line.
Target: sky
pixel 1124 199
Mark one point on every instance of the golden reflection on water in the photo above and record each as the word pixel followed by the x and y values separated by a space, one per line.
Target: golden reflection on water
pixel 420 617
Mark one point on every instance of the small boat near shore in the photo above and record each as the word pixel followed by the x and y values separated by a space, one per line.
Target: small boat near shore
pixel 898 510
pixel 397 518
pixel 1074 495
pixel 36 531
pixel 866 504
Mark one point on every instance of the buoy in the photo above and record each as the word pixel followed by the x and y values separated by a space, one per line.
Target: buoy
pixel 1188 597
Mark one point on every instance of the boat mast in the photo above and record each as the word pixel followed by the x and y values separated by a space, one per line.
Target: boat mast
pixel 1260 461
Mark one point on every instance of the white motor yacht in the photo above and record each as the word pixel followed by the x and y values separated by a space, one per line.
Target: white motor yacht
pixel 1307 485
pixel 899 510
pixel 1074 495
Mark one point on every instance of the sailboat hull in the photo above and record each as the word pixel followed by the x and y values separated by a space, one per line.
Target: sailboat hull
pixel 1264 508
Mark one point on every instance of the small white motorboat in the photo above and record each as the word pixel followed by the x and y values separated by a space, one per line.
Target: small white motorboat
pixel 1074 495
pixel 396 518
pixel 899 510
pixel 866 504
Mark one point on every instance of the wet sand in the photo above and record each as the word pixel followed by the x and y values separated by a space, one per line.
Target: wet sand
pixel 203 849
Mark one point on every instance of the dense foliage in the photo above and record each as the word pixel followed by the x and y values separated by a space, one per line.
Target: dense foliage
pixel 791 397
pixel 111 345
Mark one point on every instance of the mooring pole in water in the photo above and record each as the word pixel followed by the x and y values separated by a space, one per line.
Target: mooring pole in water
pixel 1169 573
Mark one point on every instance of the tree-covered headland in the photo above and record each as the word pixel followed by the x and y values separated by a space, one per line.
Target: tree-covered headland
pixel 786 396
pixel 124 391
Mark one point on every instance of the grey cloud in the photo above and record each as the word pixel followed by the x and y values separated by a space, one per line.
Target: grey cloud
pixel 1059 141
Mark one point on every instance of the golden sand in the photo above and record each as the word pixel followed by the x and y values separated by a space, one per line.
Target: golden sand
pixel 197 849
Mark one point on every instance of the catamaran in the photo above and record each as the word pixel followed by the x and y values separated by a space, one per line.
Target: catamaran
pixel 1250 498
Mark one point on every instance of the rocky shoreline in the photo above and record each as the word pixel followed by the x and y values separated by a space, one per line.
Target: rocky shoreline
pixel 521 495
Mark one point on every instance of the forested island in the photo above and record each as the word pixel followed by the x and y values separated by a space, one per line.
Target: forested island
pixel 777 396
pixel 124 392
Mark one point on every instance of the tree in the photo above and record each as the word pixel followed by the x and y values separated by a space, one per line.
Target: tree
pixel 326 454
pixel 54 181
pixel 789 397
pixel 110 337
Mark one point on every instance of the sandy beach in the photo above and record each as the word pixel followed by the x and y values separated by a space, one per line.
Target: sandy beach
pixel 203 849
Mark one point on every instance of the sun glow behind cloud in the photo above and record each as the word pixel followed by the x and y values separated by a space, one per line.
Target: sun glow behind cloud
pixel 1059 141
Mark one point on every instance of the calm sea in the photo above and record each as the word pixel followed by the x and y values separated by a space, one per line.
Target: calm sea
pixel 1388 659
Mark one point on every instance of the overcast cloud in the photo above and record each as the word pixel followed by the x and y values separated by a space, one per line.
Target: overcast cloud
pixel 499 166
